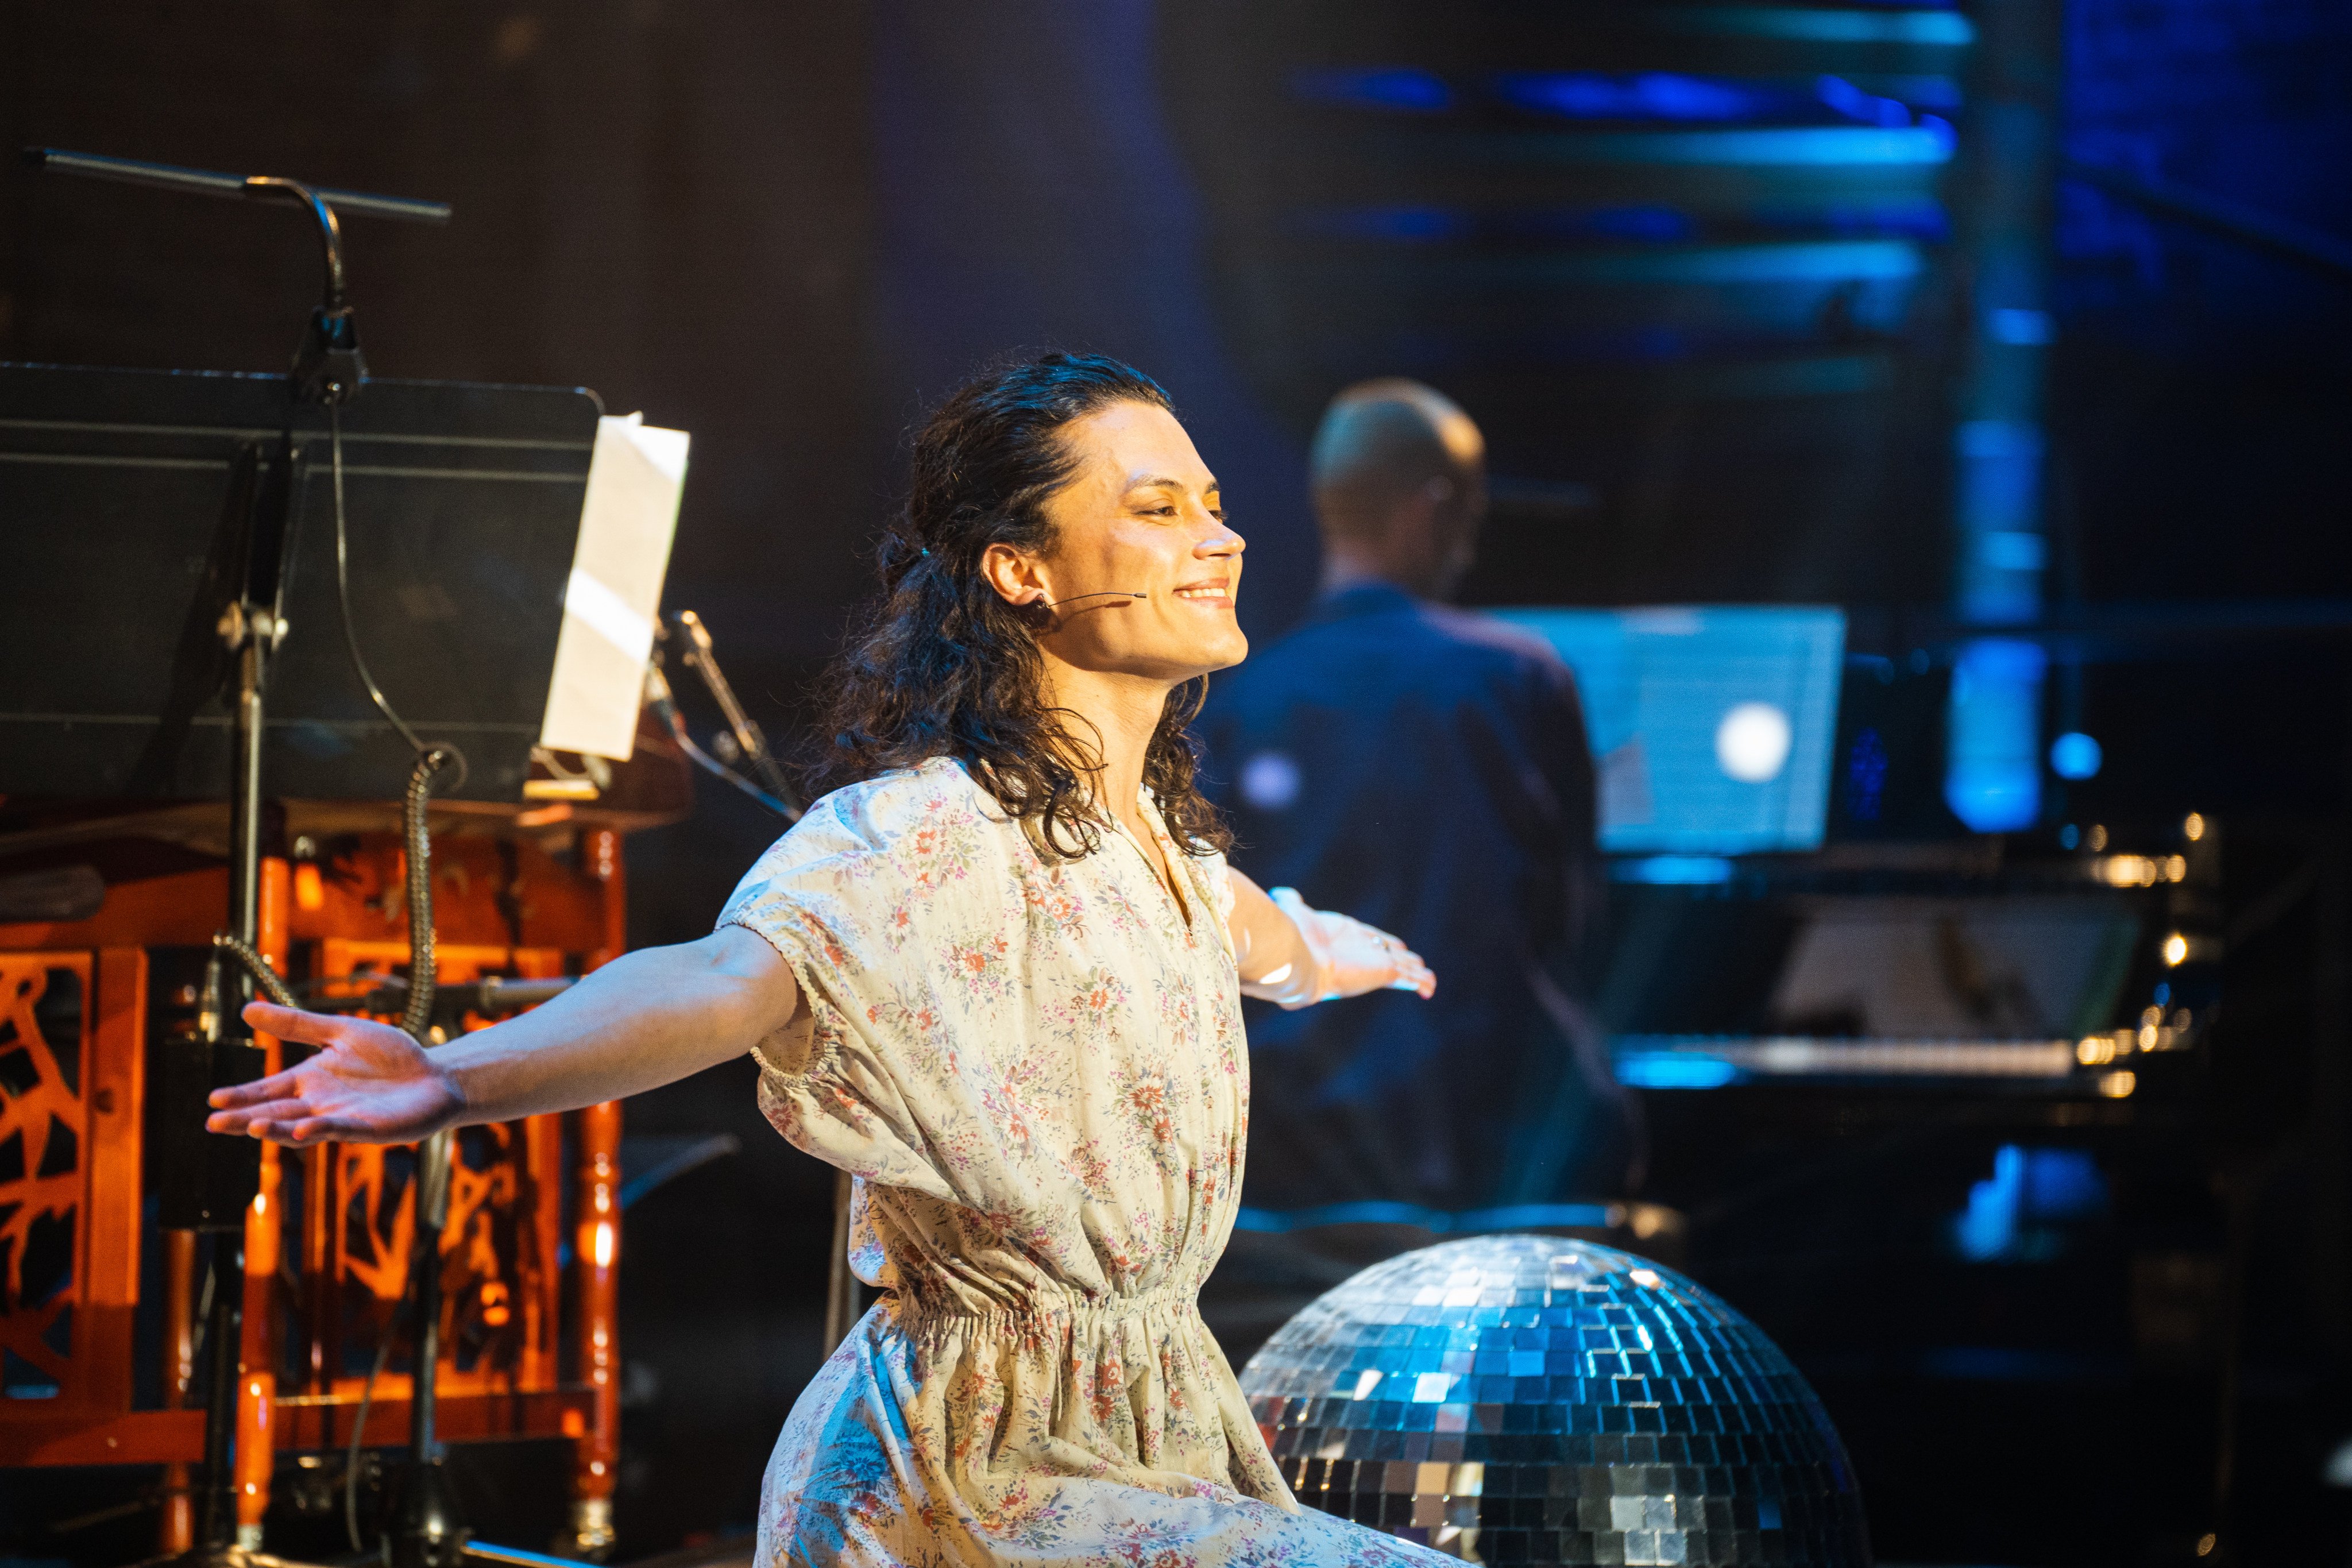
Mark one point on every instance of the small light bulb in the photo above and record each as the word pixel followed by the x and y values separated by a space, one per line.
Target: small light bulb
pixel 2193 828
pixel 2175 950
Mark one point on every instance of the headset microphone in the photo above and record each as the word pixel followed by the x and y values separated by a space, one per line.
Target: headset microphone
pixel 1122 594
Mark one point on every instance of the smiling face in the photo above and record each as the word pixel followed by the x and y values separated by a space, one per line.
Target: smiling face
pixel 1141 515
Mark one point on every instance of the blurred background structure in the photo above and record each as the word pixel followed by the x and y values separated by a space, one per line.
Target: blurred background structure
pixel 2013 330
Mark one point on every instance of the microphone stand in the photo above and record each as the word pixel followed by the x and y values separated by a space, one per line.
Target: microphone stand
pixel 328 371
pixel 751 743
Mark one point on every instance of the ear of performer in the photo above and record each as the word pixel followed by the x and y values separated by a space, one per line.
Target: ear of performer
pixel 1018 577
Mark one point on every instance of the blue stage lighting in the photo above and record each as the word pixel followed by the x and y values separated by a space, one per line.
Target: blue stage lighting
pixel 2074 755
pixel 1673 870
pixel 1418 92
pixel 1649 95
pixel 2027 1184
pixel 1991 782
pixel 1673 1069
pixel 1855 104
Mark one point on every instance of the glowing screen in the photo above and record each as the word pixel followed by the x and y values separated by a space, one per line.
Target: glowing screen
pixel 1712 727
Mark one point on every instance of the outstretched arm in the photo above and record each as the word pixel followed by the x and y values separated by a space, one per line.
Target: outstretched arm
pixel 1298 956
pixel 647 1018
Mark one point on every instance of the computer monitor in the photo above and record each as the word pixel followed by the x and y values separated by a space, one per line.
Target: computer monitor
pixel 1712 727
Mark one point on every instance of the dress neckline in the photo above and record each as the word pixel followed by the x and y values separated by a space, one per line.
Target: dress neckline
pixel 1167 882
pixel 1179 904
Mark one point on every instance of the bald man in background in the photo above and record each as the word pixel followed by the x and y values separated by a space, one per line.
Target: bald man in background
pixel 1424 770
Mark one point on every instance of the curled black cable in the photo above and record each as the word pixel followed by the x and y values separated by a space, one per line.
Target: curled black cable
pixel 424 967
pixel 343 584
pixel 343 603
pixel 430 760
pixel 258 967
pixel 343 599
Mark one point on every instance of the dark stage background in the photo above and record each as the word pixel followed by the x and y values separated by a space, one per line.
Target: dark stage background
pixel 787 227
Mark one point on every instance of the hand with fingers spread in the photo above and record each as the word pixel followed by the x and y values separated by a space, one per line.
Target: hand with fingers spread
pixel 1294 955
pixel 1354 958
pixel 370 1083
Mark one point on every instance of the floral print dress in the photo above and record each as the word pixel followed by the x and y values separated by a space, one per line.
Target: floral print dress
pixel 1035 1071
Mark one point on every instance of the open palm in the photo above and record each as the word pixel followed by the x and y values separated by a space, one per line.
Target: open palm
pixel 1356 958
pixel 370 1083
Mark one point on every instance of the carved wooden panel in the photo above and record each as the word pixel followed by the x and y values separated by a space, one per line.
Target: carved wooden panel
pixel 499 1280
pixel 69 1064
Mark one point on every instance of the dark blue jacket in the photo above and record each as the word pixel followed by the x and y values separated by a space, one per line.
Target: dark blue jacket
pixel 1426 770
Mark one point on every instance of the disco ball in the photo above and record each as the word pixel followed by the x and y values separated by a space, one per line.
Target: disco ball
pixel 1526 1399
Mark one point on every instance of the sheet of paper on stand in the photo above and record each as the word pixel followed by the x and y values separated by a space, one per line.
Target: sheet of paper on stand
pixel 635 481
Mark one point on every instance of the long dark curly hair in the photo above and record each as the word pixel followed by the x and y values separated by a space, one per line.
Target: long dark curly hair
pixel 944 666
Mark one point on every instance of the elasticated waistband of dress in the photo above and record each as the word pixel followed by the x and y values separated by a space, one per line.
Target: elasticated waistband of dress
pixel 1048 1310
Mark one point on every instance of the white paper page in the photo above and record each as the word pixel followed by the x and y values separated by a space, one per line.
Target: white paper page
pixel 634 481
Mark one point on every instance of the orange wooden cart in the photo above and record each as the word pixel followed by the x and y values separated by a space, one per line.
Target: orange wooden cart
pixel 85 1001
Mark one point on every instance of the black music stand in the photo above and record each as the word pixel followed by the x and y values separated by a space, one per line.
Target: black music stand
pixel 170 532
pixel 133 499
pixel 110 478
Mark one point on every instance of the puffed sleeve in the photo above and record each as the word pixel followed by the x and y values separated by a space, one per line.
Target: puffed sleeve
pixel 846 898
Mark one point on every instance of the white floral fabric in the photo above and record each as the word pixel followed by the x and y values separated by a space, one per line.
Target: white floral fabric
pixel 1035 1071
